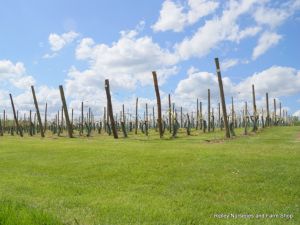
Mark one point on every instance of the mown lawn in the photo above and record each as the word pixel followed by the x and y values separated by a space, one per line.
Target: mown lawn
pixel 143 180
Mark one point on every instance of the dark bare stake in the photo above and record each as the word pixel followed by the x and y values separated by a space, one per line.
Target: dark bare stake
pixel 38 112
pixel 110 109
pixel 222 98
pixel 159 119
pixel 15 116
pixel 65 109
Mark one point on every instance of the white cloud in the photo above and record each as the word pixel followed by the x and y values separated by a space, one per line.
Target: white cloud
pixel 274 17
pixel 57 42
pixel 226 64
pixel 196 85
pixel 218 29
pixel 173 17
pixel 278 81
pixel 297 113
pixel 271 17
pixel 265 42
pixel 15 75
pixel 126 63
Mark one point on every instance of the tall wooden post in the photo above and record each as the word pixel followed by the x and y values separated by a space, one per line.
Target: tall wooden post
pixel 123 113
pixel 65 109
pixel 170 114
pixel 275 117
pixel 255 116
pixel 72 116
pixel 208 110
pixel 246 119
pixel 181 119
pixel 45 119
pixel 4 120
pixel 268 111
pixel 159 119
pixel 197 121
pixel 110 109
pixel 30 124
pixel 15 116
pixel 280 110
pixel 201 117
pixel 38 112
pixel 136 115
pixel 82 119
pixel 62 117
pixel 222 96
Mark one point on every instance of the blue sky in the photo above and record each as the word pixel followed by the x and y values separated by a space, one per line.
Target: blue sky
pixel 80 43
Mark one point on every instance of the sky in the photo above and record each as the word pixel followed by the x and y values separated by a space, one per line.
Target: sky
pixel 79 44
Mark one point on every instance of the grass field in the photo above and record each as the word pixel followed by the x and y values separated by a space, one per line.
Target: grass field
pixel 144 180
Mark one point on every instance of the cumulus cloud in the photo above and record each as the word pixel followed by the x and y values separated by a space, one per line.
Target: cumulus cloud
pixel 297 113
pixel 196 85
pixel 277 81
pixel 173 15
pixel 228 63
pixel 57 42
pixel 218 29
pixel 265 42
pixel 127 62
pixel 15 75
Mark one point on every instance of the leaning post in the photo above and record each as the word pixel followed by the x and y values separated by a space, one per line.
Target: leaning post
pixel 110 109
pixel 38 112
pixel 15 116
pixel 222 96
pixel 159 119
pixel 63 99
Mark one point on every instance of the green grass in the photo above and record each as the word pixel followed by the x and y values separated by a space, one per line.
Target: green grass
pixel 144 180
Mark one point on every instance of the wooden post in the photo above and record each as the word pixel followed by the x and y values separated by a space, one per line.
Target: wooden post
pixel 268 111
pixel 201 117
pixel 208 110
pixel 45 119
pixel 30 124
pixel 4 120
pixel 222 95
pixel 136 115
pixel 15 116
pixel 275 118
pixel 170 115
pixel 65 109
pixel 232 110
pixel 123 113
pixel 72 116
pixel 197 121
pixel 246 119
pixel 181 119
pixel 38 112
pixel 255 116
pixel 280 110
pixel 82 118
pixel 62 117
pixel 159 119
pixel 110 109
pixel 146 120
